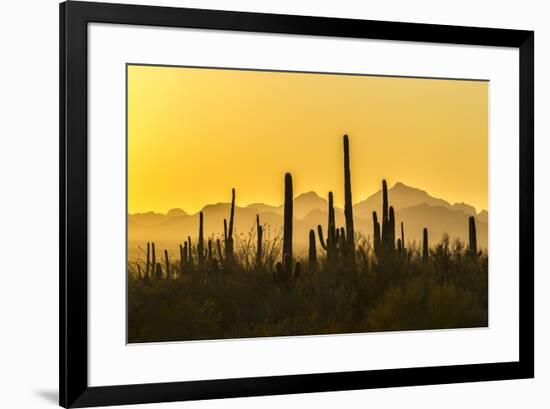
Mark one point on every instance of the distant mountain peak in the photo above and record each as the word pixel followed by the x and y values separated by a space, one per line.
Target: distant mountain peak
pixel 400 186
pixel 400 197
pixel 306 202
pixel 176 212
pixel 308 195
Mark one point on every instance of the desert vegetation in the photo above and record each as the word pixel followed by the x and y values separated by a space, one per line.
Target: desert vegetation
pixel 252 284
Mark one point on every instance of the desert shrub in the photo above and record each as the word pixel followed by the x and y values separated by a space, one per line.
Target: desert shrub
pixel 394 292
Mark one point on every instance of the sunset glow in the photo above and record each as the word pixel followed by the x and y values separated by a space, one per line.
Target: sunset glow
pixel 195 133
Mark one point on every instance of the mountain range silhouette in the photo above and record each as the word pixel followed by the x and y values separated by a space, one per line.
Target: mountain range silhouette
pixel 414 207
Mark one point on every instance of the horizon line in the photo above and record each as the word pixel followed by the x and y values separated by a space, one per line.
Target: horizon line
pixel 294 198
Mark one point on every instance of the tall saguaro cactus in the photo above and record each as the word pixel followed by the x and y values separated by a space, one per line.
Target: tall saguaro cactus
pixel 388 223
pixel 348 205
pixel 283 270
pixel 185 253
pixel 158 271
pixel 189 251
pixel 385 216
pixel 288 218
pixel 403 250
pixel 219 247
pixel 167 263
pixel 391 231
pixel 225 230
pixel 200 244
pixel 425 246
pixel 312 259
pixel 259 237
pixel 183 258
pixel 472 242
pixel 229 235
pixel 148 259
pixel 153 259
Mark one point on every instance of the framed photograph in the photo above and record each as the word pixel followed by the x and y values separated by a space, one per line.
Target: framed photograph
pixel 257 204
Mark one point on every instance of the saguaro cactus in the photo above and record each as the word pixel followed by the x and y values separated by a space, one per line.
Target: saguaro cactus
pixel 167 263
pixel 189 251
pixel 330 245
pixel 391 231
pixel 343 243
pixel 331 218
pixel 337 243
pixel 283 272
pixel 472 245
pixel 225 231
pixel 219 247
pixel 200 244
pixel 312 259
pixel 403 240
pixel 348 205
pixel 288 218
pixel 153 258
pixel 229 234
pixel 259 237
pixel 385 216
pixel 148 257
pixel 376 234
pixel 425 246
pixel 182 259
pixel 158 271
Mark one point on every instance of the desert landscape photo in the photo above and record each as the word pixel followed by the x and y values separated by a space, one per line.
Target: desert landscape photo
pixel 273 203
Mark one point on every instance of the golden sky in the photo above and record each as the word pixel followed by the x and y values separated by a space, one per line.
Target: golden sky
pixel 195 133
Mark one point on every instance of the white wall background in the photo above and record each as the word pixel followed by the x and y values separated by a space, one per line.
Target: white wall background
pixel 29 204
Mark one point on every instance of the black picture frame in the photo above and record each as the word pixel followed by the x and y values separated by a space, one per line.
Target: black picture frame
pixel 73 302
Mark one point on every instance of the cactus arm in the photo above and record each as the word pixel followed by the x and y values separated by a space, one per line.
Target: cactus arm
pixel 321 238
pixel 376 233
